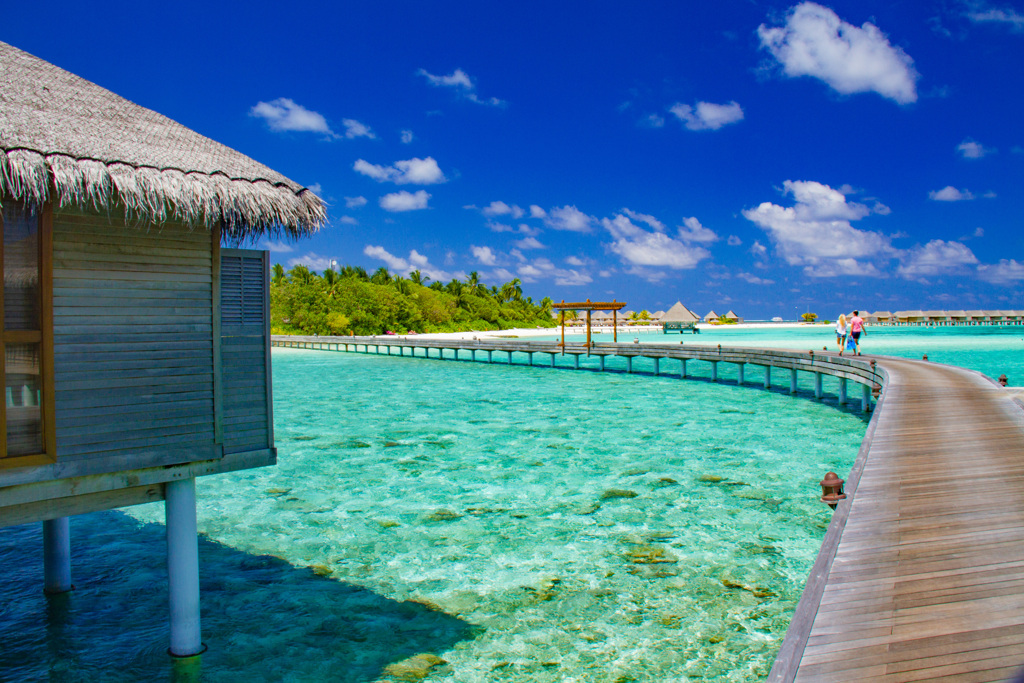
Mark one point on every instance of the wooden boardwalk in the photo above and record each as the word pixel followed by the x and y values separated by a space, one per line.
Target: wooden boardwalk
pixel 921 575
pixel 921 572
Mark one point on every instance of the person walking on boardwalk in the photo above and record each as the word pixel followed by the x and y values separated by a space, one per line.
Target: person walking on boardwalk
pixel 857 329
pixel 841 332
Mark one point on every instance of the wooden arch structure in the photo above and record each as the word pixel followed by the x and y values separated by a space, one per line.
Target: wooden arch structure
pixel 590 306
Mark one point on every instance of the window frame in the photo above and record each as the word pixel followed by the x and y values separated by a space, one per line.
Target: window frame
pixel 44 336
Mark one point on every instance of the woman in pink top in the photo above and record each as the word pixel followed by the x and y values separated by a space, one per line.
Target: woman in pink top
pixel 857 329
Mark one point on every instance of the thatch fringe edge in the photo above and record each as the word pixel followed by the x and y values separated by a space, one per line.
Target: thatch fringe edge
pixel 245 208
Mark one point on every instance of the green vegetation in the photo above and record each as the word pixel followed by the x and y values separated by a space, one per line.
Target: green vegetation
pixel 809 317
pixel 354 302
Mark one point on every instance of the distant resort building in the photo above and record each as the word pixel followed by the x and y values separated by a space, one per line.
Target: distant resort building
pixel 679 318
pixel 732 317
pixel 711 316
pixel 953 318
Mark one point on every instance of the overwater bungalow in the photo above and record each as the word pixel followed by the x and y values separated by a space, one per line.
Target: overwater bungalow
pixel 135 345
pixel 711 316
pixel 679 319
pixel 732 317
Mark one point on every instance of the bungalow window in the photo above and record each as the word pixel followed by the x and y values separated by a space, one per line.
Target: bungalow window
pixel 26 347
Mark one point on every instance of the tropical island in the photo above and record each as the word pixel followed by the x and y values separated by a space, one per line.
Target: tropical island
pixel 352 301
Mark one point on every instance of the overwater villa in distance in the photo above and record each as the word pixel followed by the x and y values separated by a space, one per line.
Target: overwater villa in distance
pixel 135 349
pixel 679 318
pixel 916 318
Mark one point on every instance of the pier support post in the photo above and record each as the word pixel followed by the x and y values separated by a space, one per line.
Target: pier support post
pixel 714 371
pixel 792 380
pixel 509 357
pixel 657 368
pixel 629 364
pixel 601 361
pixel 817 385
pixel 865 398
pixel 682 368
pixel 183 567
pixel 472 355
pixel 576 361
pixel 842 391
pixel 56 556
pixel 767 377
pixel 739 373
pixel 489 355
pixel 530 354
pixel 552 360
pixel 456 352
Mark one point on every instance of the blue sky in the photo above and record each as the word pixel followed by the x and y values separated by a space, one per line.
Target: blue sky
pixel 765 157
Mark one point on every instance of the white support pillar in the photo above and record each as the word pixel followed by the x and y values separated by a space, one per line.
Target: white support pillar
pixel 792 380
pixel 739 372
pixel 183 567
pixel 714 371
pixel 842 391
pixel 657 364
pixel 865 398
pixel 56 556
pixel 682 368
pixel 767 377
pixel 817 385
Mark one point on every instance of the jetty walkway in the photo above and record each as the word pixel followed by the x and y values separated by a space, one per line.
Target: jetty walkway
pixel 921 572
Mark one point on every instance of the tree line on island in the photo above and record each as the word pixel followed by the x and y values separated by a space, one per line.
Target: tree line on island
pixel 352 301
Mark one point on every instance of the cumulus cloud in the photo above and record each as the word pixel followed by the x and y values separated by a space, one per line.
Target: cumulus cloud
pixel 499 208
pixel 816 42
pixel 734 241
pixel 575 261
pixel 706 115
pixel 937 257
pixel 640 247
pixel 406 137
pixel 354 129
pixel 348 220
pixel 408 172
pixel 1009 17
pixel 354 202
pixel 537 212
pixel 285 114
pixel 276 247
pixel 1006 272
pixel 692 231
pixel 969 149
pixel 404 201
pixel 316 189
pixel 817 233
pixel 529 243
pixel 754 280
pixel 312 260
pixel 460 81
pixel 484 255
pixel 542 268
pixel 950 194
pixel 402 266
pixel 568 218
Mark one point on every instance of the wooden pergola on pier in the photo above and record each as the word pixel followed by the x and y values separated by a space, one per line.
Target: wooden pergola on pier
pixel 590 306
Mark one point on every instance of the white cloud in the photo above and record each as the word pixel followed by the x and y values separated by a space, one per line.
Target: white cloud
pixel 693 231
pixel 276 247
pixel 969 149
pixel 348 220
pixel 1007 271
pixel 316 189
pixel 404 201
pixel 499 208
pixel 575 261
pixel 816 232
pixel 537 212
pixel 568 218
pixel 529 243
pixel 284 114
pixel 758 249
pixel 640 247
pixel 816 42
pixel 935 258
pixel 484 255
pixel 460 81
pixel 403 266
pixel 950 194
pixel 406 137
pixel 408 172
pixel 734 241
pixel 313 261
pixel 706 115
pixel 996 15
pixel 495 226
pixel 354 202
pixel 754 280
pixel 653 121
pixel 354 129
pixel 543 268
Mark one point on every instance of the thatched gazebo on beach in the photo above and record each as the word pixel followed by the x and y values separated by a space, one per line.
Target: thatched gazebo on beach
pixel 136 349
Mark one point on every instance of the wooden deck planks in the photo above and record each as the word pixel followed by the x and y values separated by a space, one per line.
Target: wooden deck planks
pixel 927 581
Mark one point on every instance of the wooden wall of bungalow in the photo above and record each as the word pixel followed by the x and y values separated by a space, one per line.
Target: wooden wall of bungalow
pixel 157 367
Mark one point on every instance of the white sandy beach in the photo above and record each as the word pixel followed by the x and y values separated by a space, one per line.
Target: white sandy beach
pixel 624 330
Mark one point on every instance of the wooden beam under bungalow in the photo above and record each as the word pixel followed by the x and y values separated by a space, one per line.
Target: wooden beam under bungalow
pixel 588 330
pixel 615 324
pixel 562 316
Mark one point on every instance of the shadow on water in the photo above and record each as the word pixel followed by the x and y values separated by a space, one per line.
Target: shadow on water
pixel 263 618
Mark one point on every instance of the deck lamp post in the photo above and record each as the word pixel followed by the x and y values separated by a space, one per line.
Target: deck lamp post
pixel 832 490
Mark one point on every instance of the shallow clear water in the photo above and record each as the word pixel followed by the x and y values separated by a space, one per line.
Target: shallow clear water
pixel 523 524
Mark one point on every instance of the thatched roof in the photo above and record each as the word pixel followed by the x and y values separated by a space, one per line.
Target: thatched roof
pixel 63 135
pixel 679 314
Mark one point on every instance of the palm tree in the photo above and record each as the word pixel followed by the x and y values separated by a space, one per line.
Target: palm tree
pixel 300 274
pixel 381 276
pixel 418 278
pixel 278 276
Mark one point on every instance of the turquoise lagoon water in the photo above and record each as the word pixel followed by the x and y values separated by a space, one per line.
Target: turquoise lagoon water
pixel 520 524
